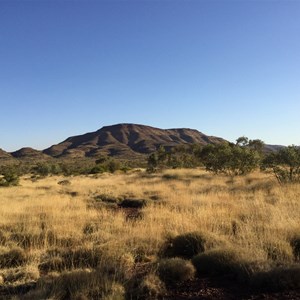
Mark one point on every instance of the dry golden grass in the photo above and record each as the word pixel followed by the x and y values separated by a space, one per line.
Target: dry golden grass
pixel 63 228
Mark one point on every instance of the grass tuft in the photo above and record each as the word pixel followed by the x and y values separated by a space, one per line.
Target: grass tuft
pixel 13 258
pixel 175 270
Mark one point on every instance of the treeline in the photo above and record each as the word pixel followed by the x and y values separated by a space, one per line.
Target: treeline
pixel 232 159
pixel 10 174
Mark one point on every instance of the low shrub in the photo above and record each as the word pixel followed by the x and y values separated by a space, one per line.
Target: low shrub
pixel 278 279
pixel 185 245
pixel 175 270
pixel 9 179
pixel 133 203
pixel 146 288
pixel 221 262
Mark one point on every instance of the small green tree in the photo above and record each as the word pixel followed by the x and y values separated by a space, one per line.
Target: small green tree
pixel 9 178
pixel 230 159
pixel 42 169
pixel 285 164
pixel 152 163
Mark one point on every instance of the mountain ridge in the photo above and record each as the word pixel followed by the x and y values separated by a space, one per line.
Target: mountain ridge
pixel 123 140
pixel 127 139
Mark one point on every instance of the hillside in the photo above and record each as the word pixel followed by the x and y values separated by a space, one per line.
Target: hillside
pixel 29 153
pixel 5 155
pixel 127 140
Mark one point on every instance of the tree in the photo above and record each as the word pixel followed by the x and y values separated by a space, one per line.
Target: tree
pixel 152 162
pixel 9 178
pixel 230 159
pixel 285 164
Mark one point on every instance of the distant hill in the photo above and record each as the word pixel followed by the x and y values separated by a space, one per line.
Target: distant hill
pixel 272 148
pixel 127 141
pixel 29 153
pixel 5 155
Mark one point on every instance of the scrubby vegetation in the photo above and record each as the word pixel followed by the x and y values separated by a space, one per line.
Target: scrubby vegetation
pixel 141 235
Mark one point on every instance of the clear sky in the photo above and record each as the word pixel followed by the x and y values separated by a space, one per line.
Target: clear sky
pixel 226 68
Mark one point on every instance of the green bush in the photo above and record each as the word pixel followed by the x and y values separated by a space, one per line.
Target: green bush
pixel 185 245
pixel 98 169
pixel 285 164
pixel 231 159
pixel 9 178
pixel 175 270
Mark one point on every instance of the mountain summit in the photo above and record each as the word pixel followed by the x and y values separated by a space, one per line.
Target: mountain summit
pixel 127 140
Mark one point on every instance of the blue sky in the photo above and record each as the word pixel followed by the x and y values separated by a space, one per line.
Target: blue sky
pixel 226 68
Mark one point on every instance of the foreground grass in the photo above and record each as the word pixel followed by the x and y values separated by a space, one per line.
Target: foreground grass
pixel 115 236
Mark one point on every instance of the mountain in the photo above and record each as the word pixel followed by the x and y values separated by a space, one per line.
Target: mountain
pixel 127 141
pixel 5 155
pixel 29 153
pixel 272 148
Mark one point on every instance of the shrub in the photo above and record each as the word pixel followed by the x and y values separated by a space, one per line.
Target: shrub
pixel 145 288
pixel 285 164
pixel 133 203
pixel 238 159
pixel 9 178
pixel 221 262
pixel 278 279
pixel 175 270
pixel 98 169
pixel 151 287
pixel 185 245
pixel 13 258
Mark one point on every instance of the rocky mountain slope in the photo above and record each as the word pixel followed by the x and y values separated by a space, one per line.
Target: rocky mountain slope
pixel 127 140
